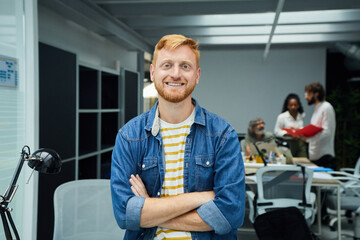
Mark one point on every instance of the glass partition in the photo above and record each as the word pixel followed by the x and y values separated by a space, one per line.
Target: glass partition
pixel 12 95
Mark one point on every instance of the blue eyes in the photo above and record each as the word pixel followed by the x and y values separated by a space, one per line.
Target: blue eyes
pixel 185 66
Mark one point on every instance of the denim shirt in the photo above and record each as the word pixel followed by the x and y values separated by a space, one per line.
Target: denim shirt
pixel 212 161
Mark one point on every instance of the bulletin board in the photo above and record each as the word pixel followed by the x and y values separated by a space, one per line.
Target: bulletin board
pixel 8 72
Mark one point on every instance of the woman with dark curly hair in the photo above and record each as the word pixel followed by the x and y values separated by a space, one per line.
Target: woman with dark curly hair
pixel 291 117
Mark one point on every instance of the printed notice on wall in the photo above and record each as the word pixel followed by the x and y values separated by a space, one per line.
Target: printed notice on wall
pixel 8 72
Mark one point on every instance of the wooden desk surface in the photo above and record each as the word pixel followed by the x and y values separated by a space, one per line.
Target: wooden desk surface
pixel 317 178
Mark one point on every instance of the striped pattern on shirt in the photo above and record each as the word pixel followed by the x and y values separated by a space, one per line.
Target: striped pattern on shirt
pixel 174 138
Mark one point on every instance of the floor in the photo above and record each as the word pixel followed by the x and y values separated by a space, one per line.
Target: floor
pixel 347 230
pixel 247 232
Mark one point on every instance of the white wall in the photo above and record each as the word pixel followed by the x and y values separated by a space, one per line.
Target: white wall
pixel 235 83
pixel 91 49
pixel 239 86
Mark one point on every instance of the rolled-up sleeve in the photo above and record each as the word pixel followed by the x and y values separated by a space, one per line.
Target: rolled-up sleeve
pixel 133 212
pixel 212 215
pixel 226 212
pixel 126 206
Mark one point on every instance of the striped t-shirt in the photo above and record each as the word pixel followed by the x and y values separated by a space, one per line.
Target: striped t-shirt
pixel 174 138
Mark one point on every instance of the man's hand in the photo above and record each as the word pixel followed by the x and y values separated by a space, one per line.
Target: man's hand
pixel 178 212
pixel 137 186
pixel 302 137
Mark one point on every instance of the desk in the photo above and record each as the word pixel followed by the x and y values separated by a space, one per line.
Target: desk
pixel 320 180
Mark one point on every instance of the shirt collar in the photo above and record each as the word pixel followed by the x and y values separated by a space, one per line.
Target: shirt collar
pixel 318 105
pixel 156 124
pixel 154 119
pixel 298 116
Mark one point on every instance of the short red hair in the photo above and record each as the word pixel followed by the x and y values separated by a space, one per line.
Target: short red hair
pixel 173 41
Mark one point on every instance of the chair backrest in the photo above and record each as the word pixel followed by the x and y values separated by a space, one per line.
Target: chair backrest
pixel 242 145
pixel 357 168
pixel 83 210
pixel 283 186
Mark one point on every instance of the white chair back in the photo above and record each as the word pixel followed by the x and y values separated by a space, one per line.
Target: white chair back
pixel 83 210
pixel 281 187
pixel 357 168
pixel 242 145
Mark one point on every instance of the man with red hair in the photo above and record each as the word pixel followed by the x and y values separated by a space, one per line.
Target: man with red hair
pixel 177 170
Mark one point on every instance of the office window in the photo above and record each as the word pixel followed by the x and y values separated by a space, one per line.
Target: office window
pixel 12 100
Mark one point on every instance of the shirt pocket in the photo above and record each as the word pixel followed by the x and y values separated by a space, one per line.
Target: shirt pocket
pixel 149 173
pixel 204 176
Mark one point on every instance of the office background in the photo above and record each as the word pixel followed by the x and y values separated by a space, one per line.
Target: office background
pixel 239 86
pixel 236 82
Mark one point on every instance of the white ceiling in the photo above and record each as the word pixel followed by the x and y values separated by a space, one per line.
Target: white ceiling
pixel 139 24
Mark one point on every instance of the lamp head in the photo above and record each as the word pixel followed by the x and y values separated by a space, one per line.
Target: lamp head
pixel 45 160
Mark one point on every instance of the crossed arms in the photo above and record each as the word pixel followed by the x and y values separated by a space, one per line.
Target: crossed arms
pixel 194 211
pixel 177 213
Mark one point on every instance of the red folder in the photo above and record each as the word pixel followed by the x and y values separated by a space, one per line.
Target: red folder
pixel 308 131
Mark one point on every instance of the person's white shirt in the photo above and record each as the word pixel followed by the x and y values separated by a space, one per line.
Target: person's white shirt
pixel 285 120
pixel 323 142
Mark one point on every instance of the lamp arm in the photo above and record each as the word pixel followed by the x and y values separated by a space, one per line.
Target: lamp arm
pixel 5 212
pixel 13 187
pixel 9 194
pixel 260 153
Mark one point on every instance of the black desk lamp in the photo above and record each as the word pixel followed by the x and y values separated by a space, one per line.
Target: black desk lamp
pixel 44 160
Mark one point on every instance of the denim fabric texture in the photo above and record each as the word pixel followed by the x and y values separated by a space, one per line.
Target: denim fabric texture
pixel 212 161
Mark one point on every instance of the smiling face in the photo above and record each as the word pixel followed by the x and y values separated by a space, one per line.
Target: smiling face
pixel 175 74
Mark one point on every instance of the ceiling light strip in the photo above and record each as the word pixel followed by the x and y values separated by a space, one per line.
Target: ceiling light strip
pixel 276 19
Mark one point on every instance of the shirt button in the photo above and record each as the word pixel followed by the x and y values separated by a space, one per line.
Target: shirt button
pixel 158 193
pixel 143 166
pixel 207 163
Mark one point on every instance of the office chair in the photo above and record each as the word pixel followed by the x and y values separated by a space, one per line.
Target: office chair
pixel 282 187
pixel 83 210
pixel 352 171
pixel 242 144
pixel 349 197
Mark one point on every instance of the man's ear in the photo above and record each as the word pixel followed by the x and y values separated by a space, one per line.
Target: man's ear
pixel 198 73
pixel 151 72
pixel 316 94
